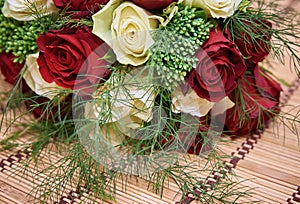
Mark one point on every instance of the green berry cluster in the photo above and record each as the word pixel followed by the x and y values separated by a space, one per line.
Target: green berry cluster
pixel 172 55
pixel 19 37
pixel 191 23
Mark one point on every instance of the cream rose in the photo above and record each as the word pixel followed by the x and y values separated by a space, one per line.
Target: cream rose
pixel 124 107
pixel 108 131
pixel 35 81
pixel 23 10
pixel 192 104
pixel 126 28
pixel 215 8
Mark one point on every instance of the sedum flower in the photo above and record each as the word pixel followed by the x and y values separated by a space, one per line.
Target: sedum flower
pixel 126 28
pixel 194 105
pixel 215 8
pixel 35 81
pixel 23 10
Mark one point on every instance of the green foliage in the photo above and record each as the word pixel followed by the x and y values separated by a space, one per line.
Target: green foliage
pixel 285 30
pixel 75 169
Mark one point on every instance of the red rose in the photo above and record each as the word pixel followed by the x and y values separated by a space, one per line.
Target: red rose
pixel 260 99
pixel 255 51
pixel 71 58
pixel 11 70
pixel 153 4
pixel 80 8
pixel 219 67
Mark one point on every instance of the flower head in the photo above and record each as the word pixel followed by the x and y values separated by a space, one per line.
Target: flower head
pixel 218 69
pixel 123 103
pixel 215 8
pixel 126 28
pixel 194 105
pixel 72 58
pixel 22 10
pixel 257 104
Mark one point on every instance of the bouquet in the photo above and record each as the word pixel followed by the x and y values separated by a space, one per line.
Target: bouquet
pixel 135 87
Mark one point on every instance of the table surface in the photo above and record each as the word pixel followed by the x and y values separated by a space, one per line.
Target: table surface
pixel 268 163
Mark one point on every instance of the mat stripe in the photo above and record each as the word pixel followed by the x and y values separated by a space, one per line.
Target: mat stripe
pixel 295 197
pixel 72 196
pixel 10 160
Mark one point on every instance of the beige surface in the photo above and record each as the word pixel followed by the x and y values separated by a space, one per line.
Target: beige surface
pixel 271 166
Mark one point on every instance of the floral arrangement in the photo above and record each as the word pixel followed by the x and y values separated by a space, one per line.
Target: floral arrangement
pixel 130 87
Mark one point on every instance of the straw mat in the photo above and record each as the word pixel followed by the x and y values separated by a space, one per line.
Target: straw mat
pixel 267 162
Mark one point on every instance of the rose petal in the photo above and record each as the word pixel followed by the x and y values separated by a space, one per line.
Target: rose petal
pixel 190 103
pixel 35 80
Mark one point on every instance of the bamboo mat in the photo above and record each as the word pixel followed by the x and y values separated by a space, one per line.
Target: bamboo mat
pixel 268 163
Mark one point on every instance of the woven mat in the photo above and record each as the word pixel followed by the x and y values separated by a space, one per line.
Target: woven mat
pixel 268 163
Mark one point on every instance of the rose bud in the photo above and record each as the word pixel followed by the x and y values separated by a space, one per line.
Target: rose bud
pixel 153 4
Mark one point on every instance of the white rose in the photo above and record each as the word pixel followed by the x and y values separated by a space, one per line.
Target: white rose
pixel 124 104
pixel 23 10
pixel 221 106
pixel 215 8
pixel 192 104
pixel 107 131
pixel 35 81
pixel 126 28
